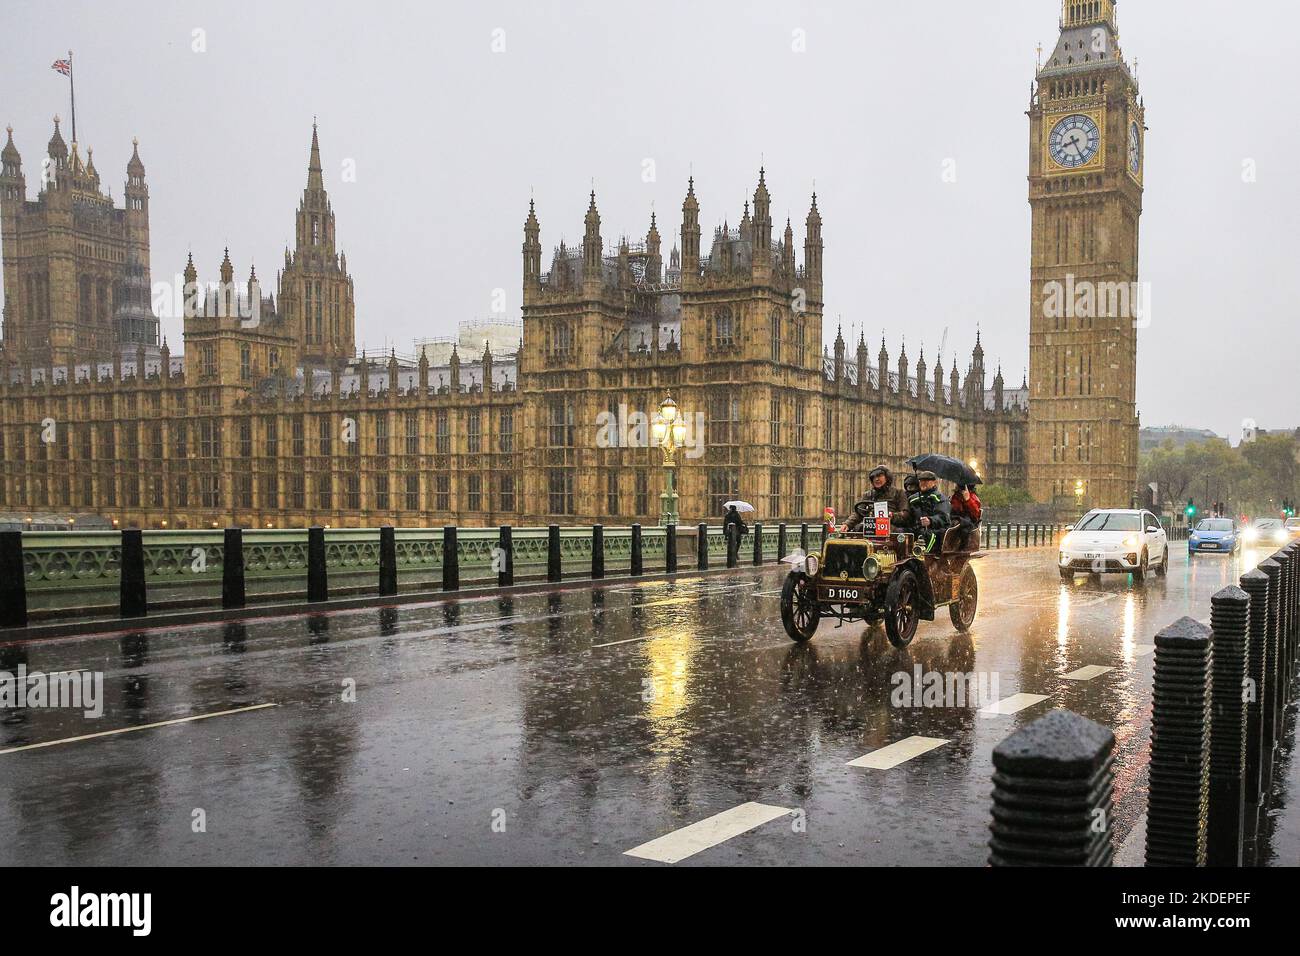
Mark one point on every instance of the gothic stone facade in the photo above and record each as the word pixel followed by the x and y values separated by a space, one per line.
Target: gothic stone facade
pixel 1086 137
pixel 76 267
pixel 275 422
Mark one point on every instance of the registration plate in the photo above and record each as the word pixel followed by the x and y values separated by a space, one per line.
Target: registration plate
pixel 1209 547
pixel 842 594
pixel 1091 556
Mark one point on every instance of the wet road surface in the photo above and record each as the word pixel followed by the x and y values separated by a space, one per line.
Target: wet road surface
pixel 670 721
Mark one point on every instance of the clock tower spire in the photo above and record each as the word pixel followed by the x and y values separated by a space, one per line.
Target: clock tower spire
pixel 1086 135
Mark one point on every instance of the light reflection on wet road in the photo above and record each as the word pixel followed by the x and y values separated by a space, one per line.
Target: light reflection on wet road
pixel 572 726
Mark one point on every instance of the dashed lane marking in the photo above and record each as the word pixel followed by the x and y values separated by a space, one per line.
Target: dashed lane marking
pixel 709 832
pixel 1013 704
pixel 1087 673
pixel 901 751
pixel 127 730
pixel 1142 650
pixel 665 601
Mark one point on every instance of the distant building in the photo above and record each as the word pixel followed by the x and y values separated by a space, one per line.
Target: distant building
pixel 1156 436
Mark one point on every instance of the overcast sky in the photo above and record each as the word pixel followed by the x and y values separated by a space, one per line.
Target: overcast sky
pixel 448 137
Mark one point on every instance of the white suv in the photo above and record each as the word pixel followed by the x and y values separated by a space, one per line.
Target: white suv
pixel 1115 540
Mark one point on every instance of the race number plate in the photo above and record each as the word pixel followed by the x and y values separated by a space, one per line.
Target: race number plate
pixel 841 594
pixel 882 526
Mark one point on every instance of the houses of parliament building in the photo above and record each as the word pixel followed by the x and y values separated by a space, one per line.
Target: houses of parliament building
pixel 270 418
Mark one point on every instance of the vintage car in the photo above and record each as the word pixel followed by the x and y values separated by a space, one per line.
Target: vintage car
pixel 873 576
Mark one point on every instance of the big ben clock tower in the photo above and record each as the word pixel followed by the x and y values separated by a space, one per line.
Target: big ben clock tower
pixel 1086 135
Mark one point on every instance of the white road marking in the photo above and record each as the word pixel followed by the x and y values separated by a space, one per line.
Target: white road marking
pixel 1142 650
pixel 127 730
pixel 680 600
pixel 630 640
pixel 689 840
pixel 766 593
pixel 1087 673
pixel 1013 704
pixel 899 752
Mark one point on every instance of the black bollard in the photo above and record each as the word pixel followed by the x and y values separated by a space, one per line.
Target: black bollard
pixel 670 549
pixel 1053 794
pixel 597 551
pixel 780 541
pixel 554 569
pixel 1283 583
pixel 634 568
pixel 1229 618
pixel 387 560
pixel 506 556
pixel 1287 558
pixel 450 559
pixel 1259 749
pixel 13 580
pixel 317 577
pixel 758 542
pixel 1286 616
pixel 132 598
pixel 1273 647
pixel 702 548
pixel 1295 602
pixel 1178 799
pixel 733 545
pixel 803 537
pixel 232 569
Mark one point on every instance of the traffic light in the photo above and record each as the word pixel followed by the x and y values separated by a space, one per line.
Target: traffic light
pixel 1190 510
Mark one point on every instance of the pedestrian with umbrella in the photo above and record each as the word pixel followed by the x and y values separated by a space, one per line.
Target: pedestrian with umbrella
pixel 734 508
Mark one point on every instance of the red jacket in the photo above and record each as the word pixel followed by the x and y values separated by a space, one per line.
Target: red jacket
pixel 964 508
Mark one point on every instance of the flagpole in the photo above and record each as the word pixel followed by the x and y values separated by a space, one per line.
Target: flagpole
pixel 72 89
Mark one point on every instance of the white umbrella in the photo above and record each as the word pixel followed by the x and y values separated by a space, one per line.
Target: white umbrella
pixel 741 506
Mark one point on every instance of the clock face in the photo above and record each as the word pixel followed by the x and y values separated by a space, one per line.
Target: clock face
pixel 1134 147
pixel 1074 141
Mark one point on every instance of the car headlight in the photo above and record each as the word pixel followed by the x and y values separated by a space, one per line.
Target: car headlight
pixel 1130 542
pixel 1280 534
pixel 870 569
pixel 1066 541
pixel 1250 534
pixel 812 563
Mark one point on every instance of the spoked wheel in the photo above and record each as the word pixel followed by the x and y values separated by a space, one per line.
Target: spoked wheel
pixel 799 610
pixel 1163 568
pixel 962 610
pixel 900 608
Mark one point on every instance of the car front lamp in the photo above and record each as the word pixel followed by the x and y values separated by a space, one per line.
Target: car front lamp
pixel 1067 541
pixel 1131 541
pixel 871 569
pixel 812 564
pixel 1280 535
pixel 1250 534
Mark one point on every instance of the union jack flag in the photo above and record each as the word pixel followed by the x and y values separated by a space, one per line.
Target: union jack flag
pixel 63 66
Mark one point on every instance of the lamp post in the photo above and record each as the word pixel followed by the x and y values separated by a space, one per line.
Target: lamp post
pixel 669 432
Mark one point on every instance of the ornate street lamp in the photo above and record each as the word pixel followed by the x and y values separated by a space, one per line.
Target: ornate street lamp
pixel 669 433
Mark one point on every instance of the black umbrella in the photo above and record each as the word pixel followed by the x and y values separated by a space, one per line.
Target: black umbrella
pixel 946 467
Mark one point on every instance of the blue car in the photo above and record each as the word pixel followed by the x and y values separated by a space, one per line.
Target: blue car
pixel 1214 534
